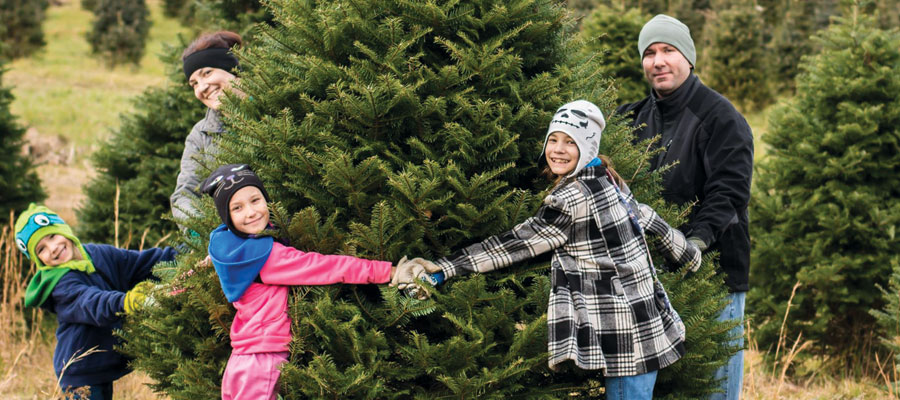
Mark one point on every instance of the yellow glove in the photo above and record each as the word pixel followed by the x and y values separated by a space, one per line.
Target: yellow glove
pixel 138 296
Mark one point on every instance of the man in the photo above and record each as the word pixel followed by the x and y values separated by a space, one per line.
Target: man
pixel 711 143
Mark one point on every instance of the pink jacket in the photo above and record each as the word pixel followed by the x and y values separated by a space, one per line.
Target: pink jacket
pixel 262 324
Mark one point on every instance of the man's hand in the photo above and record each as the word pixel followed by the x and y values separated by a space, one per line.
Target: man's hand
pixel 698 242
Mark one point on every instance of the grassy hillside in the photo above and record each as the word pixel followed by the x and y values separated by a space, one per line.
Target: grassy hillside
pixel 65 91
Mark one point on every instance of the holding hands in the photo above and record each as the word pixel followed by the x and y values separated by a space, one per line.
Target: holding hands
pixel 410 272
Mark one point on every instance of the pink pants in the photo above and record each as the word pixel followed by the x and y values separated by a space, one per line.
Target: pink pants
pixel 252 376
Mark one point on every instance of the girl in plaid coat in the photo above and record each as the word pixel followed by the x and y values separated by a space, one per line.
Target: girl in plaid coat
pixel 607 310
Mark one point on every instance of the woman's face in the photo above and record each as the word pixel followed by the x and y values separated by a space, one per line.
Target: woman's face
pixel 561 153
pixel 209 84
pixel 249 210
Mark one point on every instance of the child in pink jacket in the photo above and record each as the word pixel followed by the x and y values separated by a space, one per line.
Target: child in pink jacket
pixel 256 272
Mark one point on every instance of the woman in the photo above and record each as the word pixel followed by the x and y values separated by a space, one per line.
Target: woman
pixel 209 67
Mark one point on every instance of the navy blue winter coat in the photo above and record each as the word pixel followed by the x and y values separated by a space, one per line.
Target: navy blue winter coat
pixel 88 308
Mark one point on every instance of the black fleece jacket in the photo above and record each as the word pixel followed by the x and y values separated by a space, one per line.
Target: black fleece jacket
pixel 713 146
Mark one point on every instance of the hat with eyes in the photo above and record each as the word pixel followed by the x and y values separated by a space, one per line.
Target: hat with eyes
pixel 224 182
pixel 38 222
pixel 584 123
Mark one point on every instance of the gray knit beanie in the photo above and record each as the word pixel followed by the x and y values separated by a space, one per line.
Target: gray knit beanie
pixel 665 29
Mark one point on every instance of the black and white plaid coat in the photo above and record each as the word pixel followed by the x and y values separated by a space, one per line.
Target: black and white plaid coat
pixel 605 312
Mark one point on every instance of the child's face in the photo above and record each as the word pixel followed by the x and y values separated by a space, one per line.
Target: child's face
pixel 561 153
pixel 56 250
pixel 248 210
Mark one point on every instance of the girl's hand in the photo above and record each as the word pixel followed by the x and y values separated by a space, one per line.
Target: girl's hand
pixel 406 274
pixel 429 266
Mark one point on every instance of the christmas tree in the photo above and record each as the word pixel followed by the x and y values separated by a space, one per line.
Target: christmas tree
pixel 120 29
pixel 398 127
pixel 791 40
pixel 18 179
pixel 826 205
pixel 212 15
pixel 734 61
pixel 20 26
pixel 141 161
pixel 611 35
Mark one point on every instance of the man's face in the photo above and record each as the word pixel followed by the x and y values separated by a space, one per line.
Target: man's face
pixel 665 68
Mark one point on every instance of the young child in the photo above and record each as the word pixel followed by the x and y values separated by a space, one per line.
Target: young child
pixel 87 287
pixel 607 310
pixel 255 272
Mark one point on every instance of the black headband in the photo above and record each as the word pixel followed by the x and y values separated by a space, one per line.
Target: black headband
pixel 215 57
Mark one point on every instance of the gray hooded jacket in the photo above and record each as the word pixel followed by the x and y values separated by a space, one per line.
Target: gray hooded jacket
pixel 199 150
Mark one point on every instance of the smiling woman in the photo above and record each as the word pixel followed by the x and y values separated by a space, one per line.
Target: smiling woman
pixel 208 66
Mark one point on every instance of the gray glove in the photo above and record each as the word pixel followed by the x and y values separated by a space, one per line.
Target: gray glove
pixel 406 274
pixel 698 242
pixel 429 266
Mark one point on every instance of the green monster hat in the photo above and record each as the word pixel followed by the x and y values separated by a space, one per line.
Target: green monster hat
pixel 33 225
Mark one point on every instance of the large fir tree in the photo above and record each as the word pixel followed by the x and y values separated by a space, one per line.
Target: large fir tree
pixel 734 62
pixel 791 40
pixel 611 35
pixel 120 30
pixel 211 15
pixel 20 26
pixel 18 178
pixel 142 158
pixel 396 127
pixel 827 198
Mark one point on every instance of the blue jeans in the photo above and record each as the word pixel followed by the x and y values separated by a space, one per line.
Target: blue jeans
pixel 637 387
pixel 101 391
pixel 732 373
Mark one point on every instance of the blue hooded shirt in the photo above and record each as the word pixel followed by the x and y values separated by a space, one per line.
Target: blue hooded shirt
pixel 237 260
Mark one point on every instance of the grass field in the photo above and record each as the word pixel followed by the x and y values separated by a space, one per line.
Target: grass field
pixel 65 91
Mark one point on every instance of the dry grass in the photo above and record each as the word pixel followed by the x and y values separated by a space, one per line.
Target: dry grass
pixel 764 380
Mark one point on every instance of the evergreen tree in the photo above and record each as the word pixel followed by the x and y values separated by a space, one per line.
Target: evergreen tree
pixel 650 7
pixel 792 40
pixel 120 30
pixel 734 62
pixel 826 205
pixel 174 8
pixel 143 158
pixel 772 13
pixel 887 12
pixel 211 15
pixel 89 5
pixel 397 127
pixel 20 26
pixel 18 179
pixel 611 34
pixel 693 14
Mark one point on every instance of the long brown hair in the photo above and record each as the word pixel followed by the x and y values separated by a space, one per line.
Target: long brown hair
pixel 557 178
pixel 220 39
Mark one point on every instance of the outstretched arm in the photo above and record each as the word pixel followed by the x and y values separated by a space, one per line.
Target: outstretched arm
pixel 672 244
pixel 289 266
pixel 539 234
